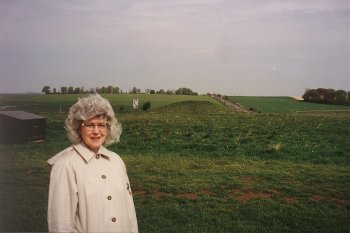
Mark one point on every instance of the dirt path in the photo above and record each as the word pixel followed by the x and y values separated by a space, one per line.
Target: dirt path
pixel 297 98
pixel 234 106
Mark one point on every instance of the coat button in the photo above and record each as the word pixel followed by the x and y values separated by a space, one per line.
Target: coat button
pixel 109 198
pixel 114 219
pixel 97 156
pixel 103 176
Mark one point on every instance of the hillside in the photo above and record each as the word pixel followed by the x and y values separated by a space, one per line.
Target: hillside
pixel 193 107
pixel 282 104
pixel 120 102
pixel 193 169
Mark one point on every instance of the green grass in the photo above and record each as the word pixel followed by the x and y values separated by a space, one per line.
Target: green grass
pixel 193 107
pixel 194 194
pixel 283 104
pixel 280 137
pixel 196 167
pixel 120 102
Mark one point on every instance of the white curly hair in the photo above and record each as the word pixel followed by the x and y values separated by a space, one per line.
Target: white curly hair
pixel 86 108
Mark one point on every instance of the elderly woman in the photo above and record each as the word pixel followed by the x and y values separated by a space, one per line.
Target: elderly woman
pixel 89 187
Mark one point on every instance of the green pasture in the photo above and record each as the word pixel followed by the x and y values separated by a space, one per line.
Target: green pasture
pixel 120 102
pixel 196 166
pixel 284 105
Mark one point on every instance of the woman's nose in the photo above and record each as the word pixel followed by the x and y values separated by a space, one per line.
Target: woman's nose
pixel 95 129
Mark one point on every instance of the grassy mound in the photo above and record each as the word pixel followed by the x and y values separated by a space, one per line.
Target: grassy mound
pixel 193 107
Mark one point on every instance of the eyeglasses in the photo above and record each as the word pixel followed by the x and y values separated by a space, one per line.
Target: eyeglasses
pixel 91 126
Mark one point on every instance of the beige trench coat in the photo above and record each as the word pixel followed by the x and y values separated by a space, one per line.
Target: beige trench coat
pixel 89 192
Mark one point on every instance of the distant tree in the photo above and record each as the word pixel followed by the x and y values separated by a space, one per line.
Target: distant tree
pixel 135 90
pixel 64 90
pixel 170 92
pixel 46 90
pixel 185 91
pixel 152 92
pixel 179 91
pixel 328 96
pixel 340 96
pixel 161 92
pixel 54 91
pixel 70 90
pixel 116 90
pixel 103 90
pixel 76 90
pixel 109 90
pixel 311 95
pixel 322 93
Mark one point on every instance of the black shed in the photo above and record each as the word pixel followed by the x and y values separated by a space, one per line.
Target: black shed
pixel 21 126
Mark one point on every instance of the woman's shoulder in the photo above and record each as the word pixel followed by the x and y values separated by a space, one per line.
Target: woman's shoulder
pixel 62 155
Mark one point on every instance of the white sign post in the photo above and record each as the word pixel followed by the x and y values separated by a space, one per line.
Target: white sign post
pixel 135 103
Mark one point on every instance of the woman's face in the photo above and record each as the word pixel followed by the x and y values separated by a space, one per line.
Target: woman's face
pixel 94 132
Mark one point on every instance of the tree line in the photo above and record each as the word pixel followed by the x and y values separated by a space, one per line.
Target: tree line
pixel 327 96
pixel 115 90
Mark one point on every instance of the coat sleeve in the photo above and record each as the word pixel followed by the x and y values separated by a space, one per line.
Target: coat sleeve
pixel 63 198
pixel 130 205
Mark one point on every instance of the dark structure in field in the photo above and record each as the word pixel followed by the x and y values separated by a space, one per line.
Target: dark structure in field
pixel 20 126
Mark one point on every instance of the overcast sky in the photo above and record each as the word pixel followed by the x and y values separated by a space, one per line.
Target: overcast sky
pixel 232 47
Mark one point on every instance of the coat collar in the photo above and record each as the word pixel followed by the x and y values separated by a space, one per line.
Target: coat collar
pixel 88 154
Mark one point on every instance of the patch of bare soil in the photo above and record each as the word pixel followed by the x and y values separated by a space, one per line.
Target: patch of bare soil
pixel 158 194
pixel 188 196
pixel 139 193
pixel 334 200
pixel 234 106
pixel 246 195
pixel 291 200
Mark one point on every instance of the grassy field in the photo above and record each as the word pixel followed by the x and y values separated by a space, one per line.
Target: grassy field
pixel 195 166
pixel 284 105
pixel 120 103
